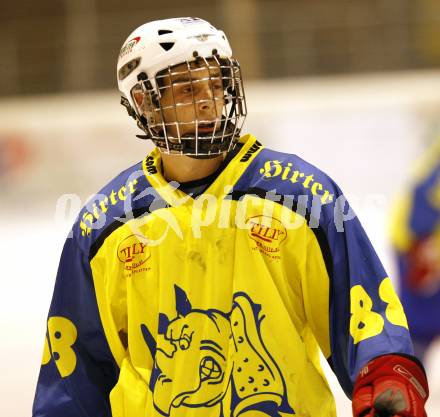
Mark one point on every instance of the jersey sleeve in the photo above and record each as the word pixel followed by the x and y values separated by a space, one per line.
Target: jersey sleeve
pixel 78 369
pixel 366 316
pixel 349 301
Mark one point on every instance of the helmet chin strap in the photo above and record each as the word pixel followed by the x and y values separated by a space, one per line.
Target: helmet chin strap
pixel 130 110
pixel 140 120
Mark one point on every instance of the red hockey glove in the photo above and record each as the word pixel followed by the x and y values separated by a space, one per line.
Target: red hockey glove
pixel 390 386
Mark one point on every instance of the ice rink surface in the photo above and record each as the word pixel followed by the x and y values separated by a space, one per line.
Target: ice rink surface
pixel 367 146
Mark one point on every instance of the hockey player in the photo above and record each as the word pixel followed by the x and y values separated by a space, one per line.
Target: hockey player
pixel 204 280
pixel 416 238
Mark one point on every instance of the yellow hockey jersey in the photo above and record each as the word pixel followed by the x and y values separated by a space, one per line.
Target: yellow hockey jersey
pixel 218 305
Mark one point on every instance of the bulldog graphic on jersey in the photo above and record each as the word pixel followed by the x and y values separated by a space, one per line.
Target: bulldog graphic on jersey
pixel 226 366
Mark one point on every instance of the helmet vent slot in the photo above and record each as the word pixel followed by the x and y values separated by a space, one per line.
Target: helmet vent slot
pixel 164 31
pixel 166 45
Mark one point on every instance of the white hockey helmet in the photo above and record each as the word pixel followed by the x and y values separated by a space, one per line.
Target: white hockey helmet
pixel 162 57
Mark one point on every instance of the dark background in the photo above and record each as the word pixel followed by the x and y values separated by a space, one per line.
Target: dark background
pixel 51 46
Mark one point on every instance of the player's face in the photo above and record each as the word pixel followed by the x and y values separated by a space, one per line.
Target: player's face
pixel 192 100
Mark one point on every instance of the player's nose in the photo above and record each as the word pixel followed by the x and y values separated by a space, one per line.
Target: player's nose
pixel 206 98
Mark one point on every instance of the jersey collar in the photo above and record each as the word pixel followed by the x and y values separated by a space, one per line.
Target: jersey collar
pixel 221 186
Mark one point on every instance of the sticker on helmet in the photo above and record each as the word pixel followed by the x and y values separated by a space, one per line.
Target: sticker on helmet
pixel 128 47
pixel 190 20
pixel 202 37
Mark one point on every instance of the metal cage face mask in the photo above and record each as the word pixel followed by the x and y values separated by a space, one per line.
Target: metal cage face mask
pixel 197 108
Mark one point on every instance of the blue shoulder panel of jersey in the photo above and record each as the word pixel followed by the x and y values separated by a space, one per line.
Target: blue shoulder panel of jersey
pixel 425 214
pixel 127 196
pixel 349 256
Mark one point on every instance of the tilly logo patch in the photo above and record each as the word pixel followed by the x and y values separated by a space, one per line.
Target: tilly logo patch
pixel 267 233
pixel 133 253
